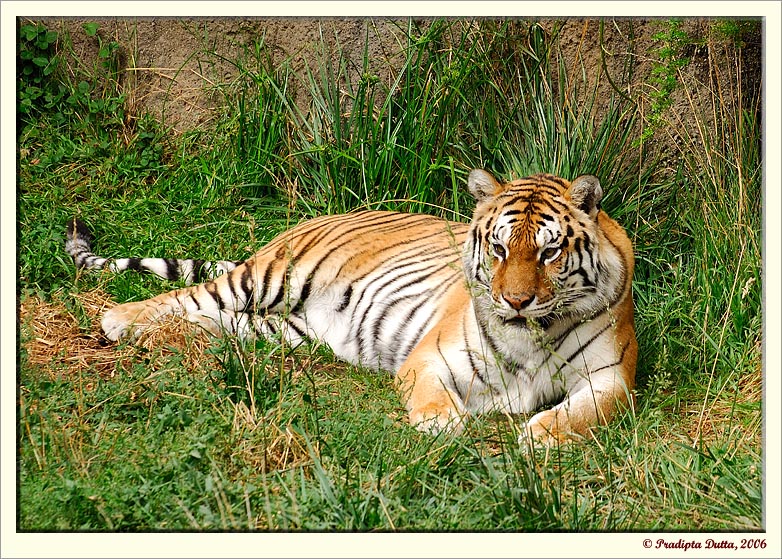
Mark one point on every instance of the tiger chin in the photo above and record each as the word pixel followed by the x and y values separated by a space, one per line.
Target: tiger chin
pixel 527 308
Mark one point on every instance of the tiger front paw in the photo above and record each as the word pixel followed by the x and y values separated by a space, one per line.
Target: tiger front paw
pixel 434 419
pixel 547 428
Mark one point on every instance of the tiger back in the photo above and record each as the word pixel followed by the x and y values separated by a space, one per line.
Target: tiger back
pixel 527 308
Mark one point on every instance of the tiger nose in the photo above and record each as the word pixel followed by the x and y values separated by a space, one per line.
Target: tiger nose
pixel 520 301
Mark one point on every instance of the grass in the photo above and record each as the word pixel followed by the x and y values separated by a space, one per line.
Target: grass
pixel 257 437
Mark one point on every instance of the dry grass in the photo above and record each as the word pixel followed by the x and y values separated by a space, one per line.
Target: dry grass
pixel 267 446
pixel 59 345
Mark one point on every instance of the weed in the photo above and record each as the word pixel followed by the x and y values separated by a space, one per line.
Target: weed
pixel 665 75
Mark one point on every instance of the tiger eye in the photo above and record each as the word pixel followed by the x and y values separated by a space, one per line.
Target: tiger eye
pixel 549 254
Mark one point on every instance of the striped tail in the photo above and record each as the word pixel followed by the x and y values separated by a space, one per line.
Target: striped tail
pixel 79 246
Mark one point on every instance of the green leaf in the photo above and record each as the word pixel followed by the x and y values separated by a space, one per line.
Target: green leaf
pixel 91 29
pixel 40 61
pixel 29 32
pixel 49 69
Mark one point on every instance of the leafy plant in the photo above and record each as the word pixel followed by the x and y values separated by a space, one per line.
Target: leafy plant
pixel 86 99
pixel 38 62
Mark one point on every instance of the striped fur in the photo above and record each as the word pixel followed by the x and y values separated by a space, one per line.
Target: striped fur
pixel 528 307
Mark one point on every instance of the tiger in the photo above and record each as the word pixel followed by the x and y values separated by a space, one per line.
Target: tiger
pixel 527 309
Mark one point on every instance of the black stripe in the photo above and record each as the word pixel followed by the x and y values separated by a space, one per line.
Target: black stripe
pixel 172 268
pixel 81 258
pixel 417 276
pixel 345 298
pixel 477 252
pixel 614 364
pixel 395 228
pixel 234 294
pixel 198 271
pixel 379 322
pixel 583 346
pixel 554 205
pixel 553 178
pixel 408 258
pixel 212 290
pixel 281 289
pixel 295 328
pixel 413 340
pixel 584 276
pixel 587 244
pixel 492 346
pixel 475 371
pixel 248 288
pixel 305 291
pixel 393 222
pixel 426 326
pixel 545 321
pixel 279 295
pixel 535 195
pixel 267 276
pixel 450 371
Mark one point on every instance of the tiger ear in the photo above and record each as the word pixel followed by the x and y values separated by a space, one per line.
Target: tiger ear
pixel 585 192
pixel 482 185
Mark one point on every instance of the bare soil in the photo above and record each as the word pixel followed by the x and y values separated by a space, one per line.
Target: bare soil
pixel 175 68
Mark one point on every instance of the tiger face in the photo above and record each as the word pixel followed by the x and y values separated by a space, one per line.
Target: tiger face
pixel 535 252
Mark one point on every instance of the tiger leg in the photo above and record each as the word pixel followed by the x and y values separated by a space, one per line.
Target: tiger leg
pixel 218 305
pixel 433 405
pixel 592 402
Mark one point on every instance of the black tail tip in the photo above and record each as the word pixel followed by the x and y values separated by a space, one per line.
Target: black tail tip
pixel 77 229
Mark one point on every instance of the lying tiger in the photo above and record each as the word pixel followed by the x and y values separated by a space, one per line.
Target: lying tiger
pixel 529 306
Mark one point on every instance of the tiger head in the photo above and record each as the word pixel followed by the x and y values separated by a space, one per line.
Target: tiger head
pixel 536 251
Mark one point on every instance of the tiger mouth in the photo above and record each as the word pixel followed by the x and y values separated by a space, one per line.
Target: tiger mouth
pixel 516 321
pixel 529 322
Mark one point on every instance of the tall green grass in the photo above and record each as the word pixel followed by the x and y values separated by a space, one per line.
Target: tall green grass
pixel 266 438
